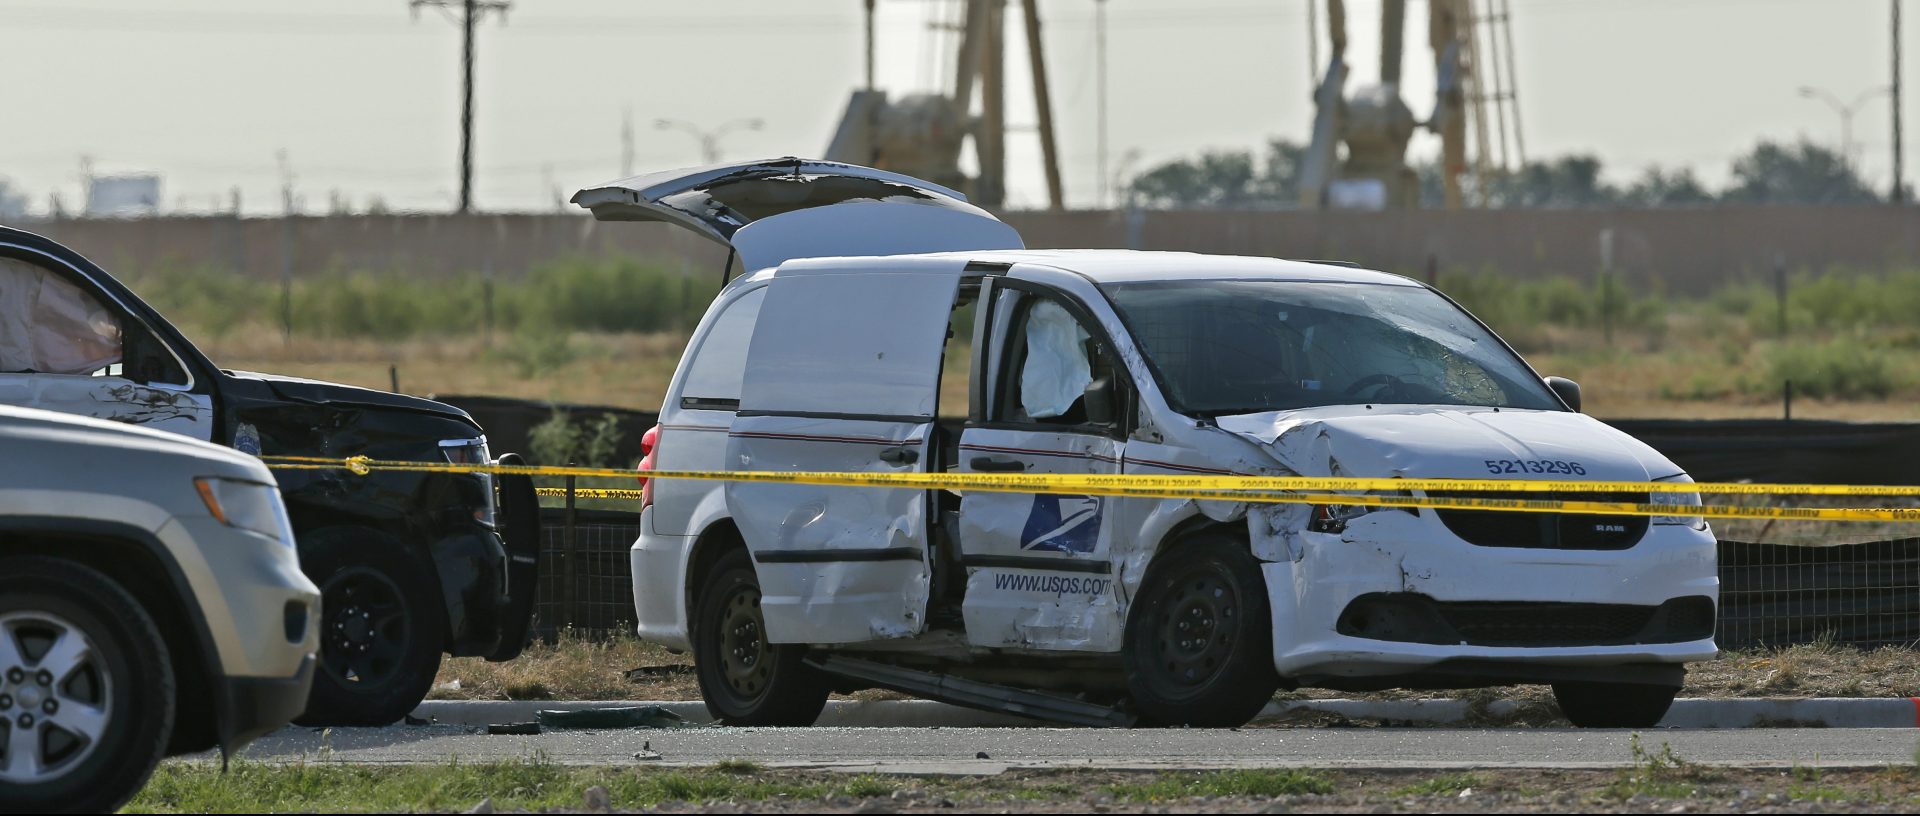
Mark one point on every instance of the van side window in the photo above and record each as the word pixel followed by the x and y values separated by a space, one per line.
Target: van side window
pixel 49 325
pixel 1050 359
pixel 719 363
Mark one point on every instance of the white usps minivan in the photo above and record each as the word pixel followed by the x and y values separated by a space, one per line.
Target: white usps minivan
pixel 883 324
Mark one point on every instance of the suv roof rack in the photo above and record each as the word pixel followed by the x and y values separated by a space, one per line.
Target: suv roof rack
pixel 1347 264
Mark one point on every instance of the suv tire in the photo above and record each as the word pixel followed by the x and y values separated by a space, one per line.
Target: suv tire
pixel 381 628
pixel 48 606
pixel 1199 643
pixel 745 680
pixel 1614 705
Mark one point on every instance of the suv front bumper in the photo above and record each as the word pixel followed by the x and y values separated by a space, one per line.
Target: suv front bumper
pixel 253 706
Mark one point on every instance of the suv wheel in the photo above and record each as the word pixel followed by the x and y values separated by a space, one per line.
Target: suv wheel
pixel 1199 643
pixel 744 679
pixel 381 630
pixel 86 689
pixel 1614 705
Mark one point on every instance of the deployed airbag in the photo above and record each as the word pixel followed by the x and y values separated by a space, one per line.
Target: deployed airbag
pixel 51 326
pixel 1056 371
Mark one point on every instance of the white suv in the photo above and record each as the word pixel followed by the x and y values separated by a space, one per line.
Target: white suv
pixel 838 353
pixel 151 604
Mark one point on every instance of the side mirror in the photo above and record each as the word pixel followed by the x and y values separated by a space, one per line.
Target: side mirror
pixel 1098 401
pixel 1567 390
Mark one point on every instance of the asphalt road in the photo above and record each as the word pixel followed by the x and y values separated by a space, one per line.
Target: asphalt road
pixel 955 750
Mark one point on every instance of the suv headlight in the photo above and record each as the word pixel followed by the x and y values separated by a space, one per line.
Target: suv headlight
pixel 1695 522
pixel 249 506
pixel 474 452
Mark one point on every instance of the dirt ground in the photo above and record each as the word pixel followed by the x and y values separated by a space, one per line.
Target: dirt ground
pixel 579 669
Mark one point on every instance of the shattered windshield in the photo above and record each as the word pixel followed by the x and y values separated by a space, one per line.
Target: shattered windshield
pixel 1225 347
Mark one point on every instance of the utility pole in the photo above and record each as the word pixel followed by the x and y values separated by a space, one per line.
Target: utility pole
pixel 1899 195
pixel 626 143
pixel 471 12
pixel 286 246
pixel 870 79
pixel 1100 67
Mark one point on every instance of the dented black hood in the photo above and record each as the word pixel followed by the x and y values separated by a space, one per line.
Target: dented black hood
pixel 320 392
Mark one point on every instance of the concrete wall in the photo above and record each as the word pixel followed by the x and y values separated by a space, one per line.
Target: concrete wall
pixel 1686 250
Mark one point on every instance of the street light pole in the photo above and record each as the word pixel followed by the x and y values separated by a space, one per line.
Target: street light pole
pixel 709 139
pixel 1846 112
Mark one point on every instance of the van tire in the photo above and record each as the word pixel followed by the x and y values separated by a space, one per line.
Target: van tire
pixel 1209 585
pixel 138 674
pixel 1614 705
pixel 372 596
pixel 745 680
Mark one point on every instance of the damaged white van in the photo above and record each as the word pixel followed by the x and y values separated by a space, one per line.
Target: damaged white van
pixel 837 352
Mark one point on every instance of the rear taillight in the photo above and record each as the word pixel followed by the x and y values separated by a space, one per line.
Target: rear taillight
pixel 649 444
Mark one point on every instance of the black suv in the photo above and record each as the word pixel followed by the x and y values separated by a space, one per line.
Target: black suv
pixel 409 564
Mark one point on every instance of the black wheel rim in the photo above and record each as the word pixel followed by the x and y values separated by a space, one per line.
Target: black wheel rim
pixel 746 660
pixel 1194 632
pixel 366 632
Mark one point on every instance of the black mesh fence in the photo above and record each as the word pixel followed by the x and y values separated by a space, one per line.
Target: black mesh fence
pixel 585 577
pixel 1864 595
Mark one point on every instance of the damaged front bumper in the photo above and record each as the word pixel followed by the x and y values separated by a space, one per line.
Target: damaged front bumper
pixel 1396 599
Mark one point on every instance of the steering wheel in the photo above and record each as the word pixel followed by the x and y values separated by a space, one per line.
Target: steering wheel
pixel 1370 381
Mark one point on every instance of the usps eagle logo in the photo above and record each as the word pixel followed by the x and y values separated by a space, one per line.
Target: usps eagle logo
pixel 1067 524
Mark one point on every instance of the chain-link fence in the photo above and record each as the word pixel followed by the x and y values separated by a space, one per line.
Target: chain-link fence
pixel 585 577
pixel 1863 595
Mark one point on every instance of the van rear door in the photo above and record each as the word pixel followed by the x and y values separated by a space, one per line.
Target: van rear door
pixel 773 211
pixel 842 375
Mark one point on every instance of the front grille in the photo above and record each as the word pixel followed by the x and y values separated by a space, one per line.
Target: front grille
pixel 1544 531
pixel 1408 617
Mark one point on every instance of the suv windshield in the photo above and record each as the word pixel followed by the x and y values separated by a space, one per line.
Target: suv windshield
pixel 1246 346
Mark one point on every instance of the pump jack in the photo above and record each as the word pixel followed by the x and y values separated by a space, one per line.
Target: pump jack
pixel 922 135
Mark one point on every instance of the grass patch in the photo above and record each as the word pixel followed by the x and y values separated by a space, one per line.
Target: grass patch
pixel 535 785
pixel 1443 785
pixel 1261 783
pixel 1809 784
pixel 570 668
pixel 518 785
pixel 614 295
pixel 1661 774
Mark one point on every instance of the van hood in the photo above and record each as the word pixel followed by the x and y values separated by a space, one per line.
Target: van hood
pixel 776 210
pixel 320 392
pixel 1448 442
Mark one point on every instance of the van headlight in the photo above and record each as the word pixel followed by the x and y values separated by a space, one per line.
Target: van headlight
pixel 1333 518
pixel 1695 522
pixel 249 506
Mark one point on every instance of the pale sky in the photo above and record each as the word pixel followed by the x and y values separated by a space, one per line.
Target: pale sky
pixel 365 100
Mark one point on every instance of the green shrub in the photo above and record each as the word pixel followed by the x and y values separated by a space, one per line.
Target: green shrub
pixel 1847 368
pixel 618 295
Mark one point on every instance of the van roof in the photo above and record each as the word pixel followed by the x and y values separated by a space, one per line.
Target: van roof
pixel 1104 266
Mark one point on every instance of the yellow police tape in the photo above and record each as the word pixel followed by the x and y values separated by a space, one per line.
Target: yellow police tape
pixel 1233 488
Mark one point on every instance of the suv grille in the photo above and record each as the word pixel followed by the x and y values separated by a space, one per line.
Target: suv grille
pixel 1408 617
pixel 1544 531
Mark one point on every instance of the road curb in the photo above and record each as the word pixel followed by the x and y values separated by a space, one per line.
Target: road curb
pixel 1826 712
